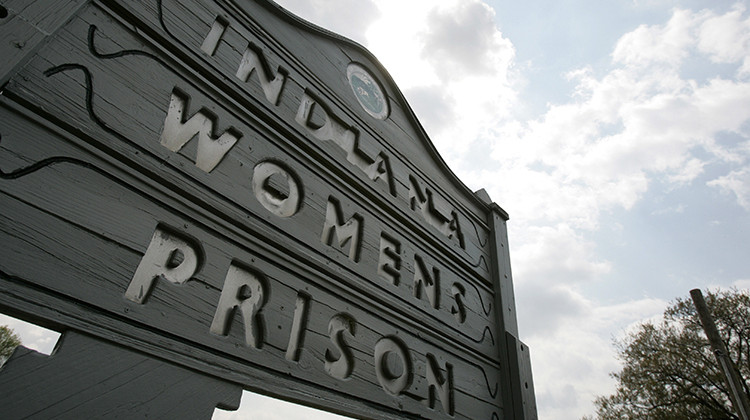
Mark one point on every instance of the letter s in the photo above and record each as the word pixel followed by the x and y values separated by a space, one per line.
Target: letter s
pixel 340 367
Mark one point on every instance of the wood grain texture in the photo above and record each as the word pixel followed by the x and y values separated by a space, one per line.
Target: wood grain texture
pixel 374 293
pixel 24 27
pixel 91 378
pixel 94 229
pixel 129 107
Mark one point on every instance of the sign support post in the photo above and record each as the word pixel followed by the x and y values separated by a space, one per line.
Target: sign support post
pixel 731 375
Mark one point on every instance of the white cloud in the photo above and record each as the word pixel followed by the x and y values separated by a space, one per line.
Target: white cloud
pixel 669 210
pixel 348 21
pixel 437 109
pixel 726 38
pixel 571 363
pixel 738 183
pixel 574 258
pixel 448 51
pixel 462 40
pixel 690 170
pixel 638 122
pixel 259 407
pixel 643 119
pixel 666 44
pixel 32 336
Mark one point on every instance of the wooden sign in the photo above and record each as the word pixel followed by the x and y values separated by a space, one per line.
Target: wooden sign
pixel 207 195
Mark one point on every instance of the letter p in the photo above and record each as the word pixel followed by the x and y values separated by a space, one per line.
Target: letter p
pixel 169 256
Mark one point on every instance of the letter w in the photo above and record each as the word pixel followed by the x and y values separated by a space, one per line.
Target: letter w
pixel 177 132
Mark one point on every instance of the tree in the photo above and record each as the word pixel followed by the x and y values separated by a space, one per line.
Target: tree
pixel 670 371
pixel 8 342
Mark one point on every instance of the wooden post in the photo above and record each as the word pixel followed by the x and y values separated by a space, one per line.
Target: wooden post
pixel 520 400
pixel 738 397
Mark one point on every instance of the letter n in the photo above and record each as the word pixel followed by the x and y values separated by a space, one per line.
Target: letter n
pixel 350 232
pixel 252 60
pixel 178 131
pixel 442 386
pixel 423 280
pixel 417 197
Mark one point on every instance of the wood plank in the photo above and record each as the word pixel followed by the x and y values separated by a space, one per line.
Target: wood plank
pixel 72 240
pixel 196 182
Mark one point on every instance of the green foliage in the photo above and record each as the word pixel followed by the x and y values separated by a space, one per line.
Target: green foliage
pixel 8 342
pixel 670 371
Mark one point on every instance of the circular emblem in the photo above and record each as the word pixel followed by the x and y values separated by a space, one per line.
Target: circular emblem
pixel 367 91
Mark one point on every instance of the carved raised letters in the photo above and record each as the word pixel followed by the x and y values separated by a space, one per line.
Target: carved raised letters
pixel 243 289
pixel 340 366
pixel 349 232
pixel 278 189
pixel 330 128
pixel 169 256
pixel 282 200
pixel 346 138
pixel 392 365
pixel 424 280
pixel 439 217
pixel 389 262
pixel 299 324
pixel 458 309
pixel 252 60
pixel 214 36
pixel 178 131
pixel 250 295
pixel 442 386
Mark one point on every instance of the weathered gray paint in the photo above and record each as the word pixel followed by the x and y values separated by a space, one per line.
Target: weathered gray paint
pixel 124 380
pixel 196 184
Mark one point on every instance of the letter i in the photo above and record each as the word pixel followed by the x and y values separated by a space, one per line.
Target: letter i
pixel 299 324
pixel 214 35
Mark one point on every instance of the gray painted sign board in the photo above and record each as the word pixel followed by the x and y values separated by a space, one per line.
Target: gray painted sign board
pixel 207 195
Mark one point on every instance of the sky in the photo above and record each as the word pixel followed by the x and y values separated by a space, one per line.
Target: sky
pixel 616 134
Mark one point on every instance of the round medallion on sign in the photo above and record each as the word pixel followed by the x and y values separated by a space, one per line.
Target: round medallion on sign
pixel 367 91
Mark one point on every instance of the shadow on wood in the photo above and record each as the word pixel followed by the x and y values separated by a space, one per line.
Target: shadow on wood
pixel 90 378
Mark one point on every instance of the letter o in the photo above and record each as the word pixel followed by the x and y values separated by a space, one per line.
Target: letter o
pixel 393 384
pixel 273 200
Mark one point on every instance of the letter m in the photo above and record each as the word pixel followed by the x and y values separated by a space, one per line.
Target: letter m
pixel 178 130
pixel 350 232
